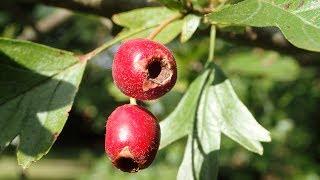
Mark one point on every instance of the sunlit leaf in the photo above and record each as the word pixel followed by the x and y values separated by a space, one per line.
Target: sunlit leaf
pixel 140 23
pixel 299 20
pixel 180 122
pixel 38 85
pixel 144 17
pixel 218 111
pixel 165 36
pixel 190 25
pixel 201 153
pixel 235 120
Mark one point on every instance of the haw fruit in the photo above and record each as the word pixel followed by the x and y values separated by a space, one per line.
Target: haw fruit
pixel 132 138
pixel 144 69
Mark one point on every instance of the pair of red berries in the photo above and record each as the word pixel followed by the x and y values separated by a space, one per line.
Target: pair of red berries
pixel 145 70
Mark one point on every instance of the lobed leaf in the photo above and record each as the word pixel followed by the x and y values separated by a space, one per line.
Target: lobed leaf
pixel 180 122
pixel 218 111
pixel 299 20
pixel 200 159
pixel 38 85
pixel 234 119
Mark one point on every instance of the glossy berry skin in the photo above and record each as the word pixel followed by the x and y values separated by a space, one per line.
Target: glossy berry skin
pixel 144 69
pixel 132 138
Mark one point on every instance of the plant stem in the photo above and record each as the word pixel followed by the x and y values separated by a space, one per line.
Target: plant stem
pixel 96 51
pixel 106 45
pixel 133 101
pixel 158 29
pixel 212 43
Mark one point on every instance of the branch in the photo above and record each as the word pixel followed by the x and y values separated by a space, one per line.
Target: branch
pixel 100 7
pixel 45 25
pixel 266 38
pixel 164 24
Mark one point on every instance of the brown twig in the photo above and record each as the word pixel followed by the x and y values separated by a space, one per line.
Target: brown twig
pixel 104 8
pixel 164 24
pixel 267 38
pixel 45 25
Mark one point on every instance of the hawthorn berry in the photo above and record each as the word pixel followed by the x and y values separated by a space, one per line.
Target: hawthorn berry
pixel 132 138
pixel 144 69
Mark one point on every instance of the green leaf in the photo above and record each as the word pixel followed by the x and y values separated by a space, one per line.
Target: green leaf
pixel 201 154
pixel 209 133
pixel 124 34
pixel 141 22
pixel 190 25
pixel 210 107
pixel 196 164
pixel 266 64
pixel 180 122
pixel 38 85
pixel 165 36
pixel 169 33
pixel 298 20
pixel 234 119
pixel 144 17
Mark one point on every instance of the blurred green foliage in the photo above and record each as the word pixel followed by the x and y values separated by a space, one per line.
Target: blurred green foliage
pixel 283 95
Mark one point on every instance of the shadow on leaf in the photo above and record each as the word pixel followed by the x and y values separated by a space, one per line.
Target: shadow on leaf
pixel 33 107
pixel 209 161
pixel 219 76
pixel 207 157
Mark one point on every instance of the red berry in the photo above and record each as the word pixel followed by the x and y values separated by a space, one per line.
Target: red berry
pixel 132 138
pixel 144 69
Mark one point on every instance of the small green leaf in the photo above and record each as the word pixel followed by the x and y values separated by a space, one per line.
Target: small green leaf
pixel 38 85
pixel 144 17
pixel 141 22
pixel 124 34
pixel 298 20
pixel 180 122
pixel 235 120
pixel 170 32
pixel 165 36
pixel 190 25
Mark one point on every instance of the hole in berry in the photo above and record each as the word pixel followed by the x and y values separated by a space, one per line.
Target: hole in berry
pixel 126 164
pixel 154 69
pixel 159 73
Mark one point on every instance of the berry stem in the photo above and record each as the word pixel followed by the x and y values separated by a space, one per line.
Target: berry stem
pixel 133 101
pixel 161 26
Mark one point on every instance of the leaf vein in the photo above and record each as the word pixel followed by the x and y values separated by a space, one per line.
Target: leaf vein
pixel 38 84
